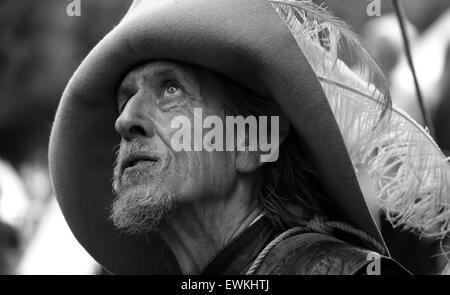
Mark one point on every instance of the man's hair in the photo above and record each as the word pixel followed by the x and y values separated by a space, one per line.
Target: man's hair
pixel 289 191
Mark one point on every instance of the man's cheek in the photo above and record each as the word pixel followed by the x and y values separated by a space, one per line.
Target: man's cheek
pixel 177 169
pixel 189 170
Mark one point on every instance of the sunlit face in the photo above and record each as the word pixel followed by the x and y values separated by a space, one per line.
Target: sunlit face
pixel 151 180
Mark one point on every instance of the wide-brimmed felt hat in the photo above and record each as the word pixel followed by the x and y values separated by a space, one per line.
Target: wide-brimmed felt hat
pixel 266 46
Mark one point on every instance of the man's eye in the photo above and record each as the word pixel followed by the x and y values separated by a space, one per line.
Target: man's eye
pixel 171 90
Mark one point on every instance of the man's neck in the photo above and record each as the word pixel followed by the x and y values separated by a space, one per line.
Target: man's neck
pixel 199 232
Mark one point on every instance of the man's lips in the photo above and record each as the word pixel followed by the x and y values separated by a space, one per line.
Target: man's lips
pixel 133 160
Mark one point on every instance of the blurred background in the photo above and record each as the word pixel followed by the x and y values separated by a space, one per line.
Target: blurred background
pixel 40 48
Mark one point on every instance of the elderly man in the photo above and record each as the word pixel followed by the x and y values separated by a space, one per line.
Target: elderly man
pixel 222 198
pixel 198 201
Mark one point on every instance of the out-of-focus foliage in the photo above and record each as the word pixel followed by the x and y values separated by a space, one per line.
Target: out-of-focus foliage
pixel 40 47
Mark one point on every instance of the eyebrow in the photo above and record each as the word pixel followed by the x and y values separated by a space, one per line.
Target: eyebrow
pixel 126 88
pixel 183 74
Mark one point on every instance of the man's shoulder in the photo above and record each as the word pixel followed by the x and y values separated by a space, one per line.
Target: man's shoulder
pixel 320 254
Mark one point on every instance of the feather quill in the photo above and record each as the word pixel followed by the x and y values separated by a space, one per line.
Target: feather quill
pixel 411 174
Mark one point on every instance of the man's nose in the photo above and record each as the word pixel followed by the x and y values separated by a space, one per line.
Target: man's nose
pixel 135 121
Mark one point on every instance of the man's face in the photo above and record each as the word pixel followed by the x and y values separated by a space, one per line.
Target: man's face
pixel 151 180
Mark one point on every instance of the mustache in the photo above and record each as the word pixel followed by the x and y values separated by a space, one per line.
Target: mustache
pixel 134 150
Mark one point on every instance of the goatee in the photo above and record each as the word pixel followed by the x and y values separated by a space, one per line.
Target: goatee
pixel 143 197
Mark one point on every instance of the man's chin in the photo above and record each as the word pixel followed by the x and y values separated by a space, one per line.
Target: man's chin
pixel 141 209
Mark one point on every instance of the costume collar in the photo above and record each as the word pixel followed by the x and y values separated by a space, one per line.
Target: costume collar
pixel 238 254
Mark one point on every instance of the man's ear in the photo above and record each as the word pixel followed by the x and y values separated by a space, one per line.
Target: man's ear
pixel 249 161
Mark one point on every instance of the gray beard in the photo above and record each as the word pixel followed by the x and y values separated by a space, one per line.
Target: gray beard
pixel 141 204
pixel 141 209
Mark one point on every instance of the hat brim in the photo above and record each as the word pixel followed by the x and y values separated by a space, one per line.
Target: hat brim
pixel 244 40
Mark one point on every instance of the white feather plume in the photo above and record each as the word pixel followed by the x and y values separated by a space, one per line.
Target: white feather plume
pixel 411 174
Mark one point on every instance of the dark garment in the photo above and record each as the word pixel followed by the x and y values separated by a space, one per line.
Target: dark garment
pixel 237 256
pixel 307 253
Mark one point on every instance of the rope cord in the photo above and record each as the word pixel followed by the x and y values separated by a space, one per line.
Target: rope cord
pixel 320 225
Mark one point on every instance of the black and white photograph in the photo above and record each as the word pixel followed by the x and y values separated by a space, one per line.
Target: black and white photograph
pixel 191 139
